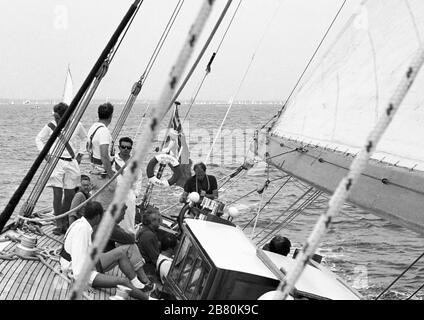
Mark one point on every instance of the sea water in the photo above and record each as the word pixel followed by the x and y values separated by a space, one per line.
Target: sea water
pixel 364 250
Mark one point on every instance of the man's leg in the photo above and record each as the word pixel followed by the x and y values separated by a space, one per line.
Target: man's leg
pixel 71 181
pixel 106 281
pixel 137 262
pixel 66 206
pixel 118 256
pixel 57 209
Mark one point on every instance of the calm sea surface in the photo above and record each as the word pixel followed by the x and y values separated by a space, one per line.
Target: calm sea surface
pixel 366 251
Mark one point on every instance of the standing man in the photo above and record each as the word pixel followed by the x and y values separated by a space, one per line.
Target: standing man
pixel 100 149
pixel 66 175
pixel 205 185
pixel 81 196
pixel 125 147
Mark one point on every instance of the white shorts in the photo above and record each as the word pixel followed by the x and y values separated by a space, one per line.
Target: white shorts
pixel 66 175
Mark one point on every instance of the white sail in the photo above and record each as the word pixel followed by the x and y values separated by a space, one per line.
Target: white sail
pixel 344 95
pixel 327 120
pixel 68 89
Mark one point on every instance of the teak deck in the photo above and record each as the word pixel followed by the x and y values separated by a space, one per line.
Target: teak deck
pixel 32 280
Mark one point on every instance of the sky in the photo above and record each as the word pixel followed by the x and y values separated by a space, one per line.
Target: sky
pixel 268 45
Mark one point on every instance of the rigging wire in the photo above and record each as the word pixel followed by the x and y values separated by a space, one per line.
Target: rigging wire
pixel 269 201
pixel 416 291
pixel 196 62
pixel 135 91
pixel 308 64
pixel 148 134
pixel 16 197
pixel 114 51
pixel 358 165
pixel 252 191
pixel 400 276
pixel 208 68
pixel 218 134
pixel 293 215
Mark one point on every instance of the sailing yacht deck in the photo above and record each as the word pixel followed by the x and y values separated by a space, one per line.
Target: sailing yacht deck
pixel 32 280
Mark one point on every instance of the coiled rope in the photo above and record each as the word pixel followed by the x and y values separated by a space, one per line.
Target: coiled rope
pixel 144 143
pixel 358 165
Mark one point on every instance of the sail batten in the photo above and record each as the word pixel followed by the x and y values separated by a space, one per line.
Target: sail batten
pixel 343 97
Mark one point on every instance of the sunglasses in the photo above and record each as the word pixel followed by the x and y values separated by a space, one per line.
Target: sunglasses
pixel 125 147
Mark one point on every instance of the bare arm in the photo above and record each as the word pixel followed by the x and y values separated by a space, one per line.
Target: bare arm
pixel 183 197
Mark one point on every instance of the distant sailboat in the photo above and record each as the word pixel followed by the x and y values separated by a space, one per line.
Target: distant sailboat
pixel 68 88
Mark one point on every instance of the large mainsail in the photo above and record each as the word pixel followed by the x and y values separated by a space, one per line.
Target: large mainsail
pixel 331 113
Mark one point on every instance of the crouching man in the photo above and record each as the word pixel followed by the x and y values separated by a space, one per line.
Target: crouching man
pixel 76 248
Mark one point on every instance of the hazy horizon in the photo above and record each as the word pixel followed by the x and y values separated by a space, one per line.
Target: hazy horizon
pixel 269 42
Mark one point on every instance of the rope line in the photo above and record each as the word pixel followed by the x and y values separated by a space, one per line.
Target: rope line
pixel 208 68
pixel 400 276
pixel 308 64
pixel 269 201
pixel 196 62
pixel 145 141
pixel 387 182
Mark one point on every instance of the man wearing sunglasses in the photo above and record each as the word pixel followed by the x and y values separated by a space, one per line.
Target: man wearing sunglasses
pixel 124 154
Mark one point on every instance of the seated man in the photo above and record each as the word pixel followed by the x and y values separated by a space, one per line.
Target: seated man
pixel 125 241
pixel 76 248
pixel 168 244
pixel 278 244
pixel 148 241
pixel 82 195
pixel 205 185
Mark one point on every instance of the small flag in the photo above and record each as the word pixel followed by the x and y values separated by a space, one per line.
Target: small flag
pixel 180 149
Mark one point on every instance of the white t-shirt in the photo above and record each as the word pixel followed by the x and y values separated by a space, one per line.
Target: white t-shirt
pixel 77 244
pixel 102 136
pixel 77 141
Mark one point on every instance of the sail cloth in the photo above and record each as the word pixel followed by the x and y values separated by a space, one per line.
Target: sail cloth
pixel 68 89
pixel 180 149
pixel 340 101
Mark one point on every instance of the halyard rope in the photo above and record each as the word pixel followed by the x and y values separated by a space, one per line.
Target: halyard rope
pixel 143 145
pixel 230 105
pixel 358 165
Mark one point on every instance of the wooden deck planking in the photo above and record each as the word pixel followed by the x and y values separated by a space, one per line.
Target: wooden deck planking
pixel 37 282
pixel 31 282
pixel 46 293
pixel 11 278
pixel 16 287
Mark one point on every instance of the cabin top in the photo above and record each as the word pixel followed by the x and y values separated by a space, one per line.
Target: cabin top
pixel 230 249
